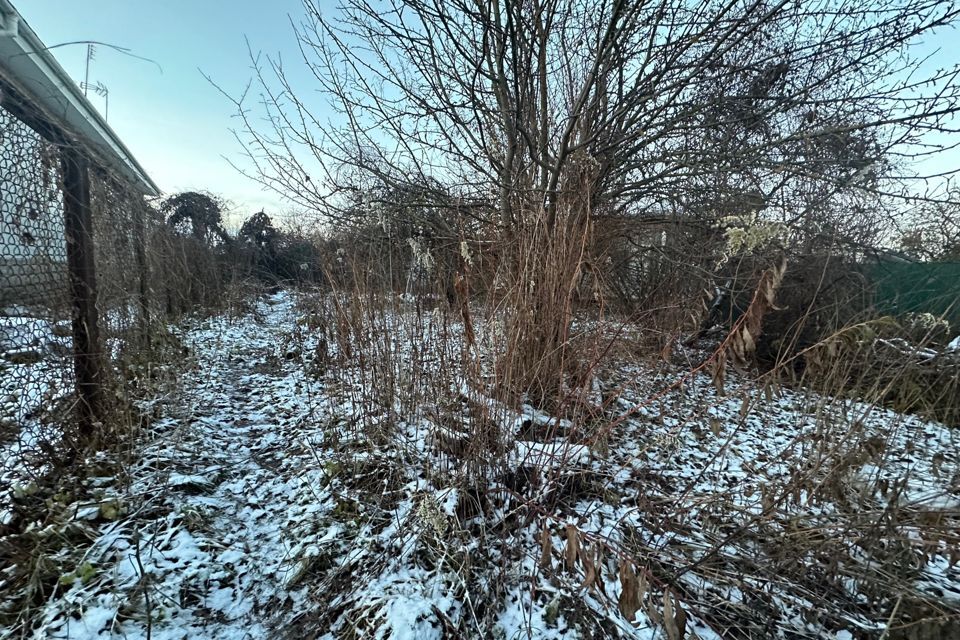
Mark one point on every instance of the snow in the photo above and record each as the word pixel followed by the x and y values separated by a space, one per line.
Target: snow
pixel 35 373
pixel 92 622
pixel 519 619
pixel 258 507
pixel 179 481
pixel 404 602
pixel 235 502
pixel 448 499
pixel 545 455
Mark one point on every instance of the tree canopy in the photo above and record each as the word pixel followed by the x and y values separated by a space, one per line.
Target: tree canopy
pixel 196 213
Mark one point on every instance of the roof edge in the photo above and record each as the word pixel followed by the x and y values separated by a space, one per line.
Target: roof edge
pixel 24 56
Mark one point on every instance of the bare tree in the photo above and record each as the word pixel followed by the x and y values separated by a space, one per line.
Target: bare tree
pixel 933 230
pixel 488 101
pixel 537 119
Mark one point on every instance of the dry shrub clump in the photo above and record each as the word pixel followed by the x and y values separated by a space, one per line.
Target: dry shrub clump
pixel 529 193
pixel 891 363
pixel 537 306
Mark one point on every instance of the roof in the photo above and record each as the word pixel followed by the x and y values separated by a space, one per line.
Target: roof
pixel 30 68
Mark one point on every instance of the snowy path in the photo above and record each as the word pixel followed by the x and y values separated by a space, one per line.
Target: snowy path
pixel 241 485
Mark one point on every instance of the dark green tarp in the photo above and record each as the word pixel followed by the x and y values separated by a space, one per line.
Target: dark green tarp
pixel 919 287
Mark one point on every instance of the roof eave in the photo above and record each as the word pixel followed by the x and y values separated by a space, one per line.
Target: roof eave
pixel 25 58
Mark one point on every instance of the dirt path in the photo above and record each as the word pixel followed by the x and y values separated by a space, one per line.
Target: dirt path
pixel 222 500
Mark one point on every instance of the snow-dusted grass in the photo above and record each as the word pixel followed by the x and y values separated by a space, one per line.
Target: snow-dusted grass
pixel 321 474
pixel 35 374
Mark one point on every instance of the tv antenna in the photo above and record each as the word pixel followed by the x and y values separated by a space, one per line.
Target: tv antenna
pixel 101 90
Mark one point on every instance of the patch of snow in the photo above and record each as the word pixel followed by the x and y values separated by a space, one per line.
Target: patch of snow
pixel 954 344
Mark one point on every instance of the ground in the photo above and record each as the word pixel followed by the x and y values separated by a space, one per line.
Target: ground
pixel 206 540
pixel 34 370
pixel 256 506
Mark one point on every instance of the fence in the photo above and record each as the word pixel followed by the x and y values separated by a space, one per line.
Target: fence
pixel 75 286
pixel 929 287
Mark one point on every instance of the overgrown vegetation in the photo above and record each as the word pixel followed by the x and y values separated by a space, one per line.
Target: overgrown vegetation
pixel 584 340
pixel 527 199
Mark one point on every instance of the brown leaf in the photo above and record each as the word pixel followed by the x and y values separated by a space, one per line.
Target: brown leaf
pixel 715 425
pixel 742 341
pixel 768 390
pixel 546 550
pixel 669 624
pixel 598 563
pixel 738 347
pixel 629 601
pixel 718 371
pixel 573 547
pixel 680 616
pixel 749 345
pixel 653 613
pixel 673 617
pixel 589 568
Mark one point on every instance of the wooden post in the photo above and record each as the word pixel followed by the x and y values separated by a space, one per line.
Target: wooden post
pixel 78 226
pixel 140 249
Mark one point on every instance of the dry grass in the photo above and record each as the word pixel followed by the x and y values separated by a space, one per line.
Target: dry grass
pixel 439 387
pixel 430 393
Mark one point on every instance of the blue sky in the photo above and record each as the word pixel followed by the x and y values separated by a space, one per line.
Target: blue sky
pixel 175 122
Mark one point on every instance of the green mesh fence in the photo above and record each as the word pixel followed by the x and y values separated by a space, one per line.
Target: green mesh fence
pixel 918 287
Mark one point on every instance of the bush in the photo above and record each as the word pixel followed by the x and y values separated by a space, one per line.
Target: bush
pixel 878 362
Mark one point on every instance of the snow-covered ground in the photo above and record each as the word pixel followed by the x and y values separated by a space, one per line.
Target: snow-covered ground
pixel 33 361
pixel 35 373
pixel 261 504
pixel 202 543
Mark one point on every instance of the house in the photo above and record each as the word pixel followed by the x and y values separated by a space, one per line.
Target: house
pixel 42 113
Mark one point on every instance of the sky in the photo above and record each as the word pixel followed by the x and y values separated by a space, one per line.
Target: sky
pixel 174 121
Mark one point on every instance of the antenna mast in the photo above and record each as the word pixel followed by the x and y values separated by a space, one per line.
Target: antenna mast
pixel 86 76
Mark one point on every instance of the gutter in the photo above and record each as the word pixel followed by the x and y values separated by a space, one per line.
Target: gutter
pixel 30 67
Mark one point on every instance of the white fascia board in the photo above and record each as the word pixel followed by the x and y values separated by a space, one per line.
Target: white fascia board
pixel 31 68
